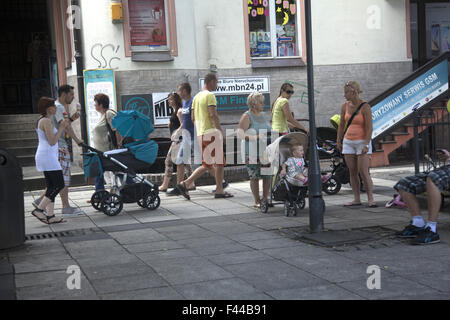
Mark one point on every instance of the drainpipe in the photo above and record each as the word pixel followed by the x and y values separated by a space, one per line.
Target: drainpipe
pixel 78 48
pixel 212 58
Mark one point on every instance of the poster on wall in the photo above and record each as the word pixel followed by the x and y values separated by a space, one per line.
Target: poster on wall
pixel 161 109
pixel 437 17
pixel 410 97
pixel 98 81
pixel 232 93
pixel 147 22
pixel 138 102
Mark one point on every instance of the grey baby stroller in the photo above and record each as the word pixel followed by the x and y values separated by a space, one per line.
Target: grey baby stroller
pixel 290 192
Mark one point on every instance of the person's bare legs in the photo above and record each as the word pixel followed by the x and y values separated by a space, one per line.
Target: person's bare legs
pixel 219 179
pixel 194 176
pixel 434 199
pixel 254 186
pixel 64 194
pixel 266 187
pixel 363 168
pixel 352 164
pixel 411 202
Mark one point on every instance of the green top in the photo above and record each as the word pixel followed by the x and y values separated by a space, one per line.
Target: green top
pixel 279 121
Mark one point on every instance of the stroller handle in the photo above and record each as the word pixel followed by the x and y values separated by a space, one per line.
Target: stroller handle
pixel 83 145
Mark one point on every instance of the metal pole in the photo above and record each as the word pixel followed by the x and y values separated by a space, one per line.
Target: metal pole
pixel 78 48
pixel 316 203
pixel 416 142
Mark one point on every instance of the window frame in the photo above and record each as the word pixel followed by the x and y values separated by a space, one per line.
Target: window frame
pixel 172 43
pixel 275 60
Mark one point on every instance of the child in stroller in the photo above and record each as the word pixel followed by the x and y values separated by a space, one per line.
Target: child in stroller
pixel 290 182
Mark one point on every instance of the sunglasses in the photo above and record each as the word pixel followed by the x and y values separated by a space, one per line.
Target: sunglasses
pixel 289 92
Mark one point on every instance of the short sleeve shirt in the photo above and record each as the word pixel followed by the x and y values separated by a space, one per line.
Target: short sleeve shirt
pixel 200 106
pixel 56 119
pixel 295 166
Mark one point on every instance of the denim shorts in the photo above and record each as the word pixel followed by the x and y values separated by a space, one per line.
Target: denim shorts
pixel 355 147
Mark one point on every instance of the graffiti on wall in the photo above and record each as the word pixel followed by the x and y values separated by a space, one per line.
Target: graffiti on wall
pixel 105 55
pixel 303 91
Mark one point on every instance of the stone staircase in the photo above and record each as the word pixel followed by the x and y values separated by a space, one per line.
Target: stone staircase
pixel 18 136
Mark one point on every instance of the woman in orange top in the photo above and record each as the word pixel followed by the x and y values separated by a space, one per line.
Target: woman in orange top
pixel 356 145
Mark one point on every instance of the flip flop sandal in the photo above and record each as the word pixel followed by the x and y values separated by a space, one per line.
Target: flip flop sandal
pixel 352 204
pixel 55 222
pixel 192 189
pixel 43 220
pixel 183 190
pixel 224 195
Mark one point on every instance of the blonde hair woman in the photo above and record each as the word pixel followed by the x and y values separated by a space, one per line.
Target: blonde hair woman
pixel 252 127
pixel 356 144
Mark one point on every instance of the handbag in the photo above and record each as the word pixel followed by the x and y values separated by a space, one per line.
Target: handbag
pixel 111 134
pixel 351 119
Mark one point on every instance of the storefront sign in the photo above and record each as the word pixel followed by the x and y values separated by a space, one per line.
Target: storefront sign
pixel 232 93
pixel 98 81
pixel 161 109
pixel 147 22
pixel 414 95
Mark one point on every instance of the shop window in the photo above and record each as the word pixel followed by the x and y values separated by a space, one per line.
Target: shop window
pixel 274 29
pixel 150 30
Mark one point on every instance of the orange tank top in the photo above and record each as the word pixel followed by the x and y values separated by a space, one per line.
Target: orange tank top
pixel 357 129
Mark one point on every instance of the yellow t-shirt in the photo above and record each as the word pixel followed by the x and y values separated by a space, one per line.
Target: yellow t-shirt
pixel 279 122
pixel 200 105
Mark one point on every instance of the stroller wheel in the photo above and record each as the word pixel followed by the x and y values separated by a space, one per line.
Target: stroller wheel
pixel 332 186
pixel 288 210
pixel 299 205
pixel 151 201
pixel 112 205
pixel 97 199
pixel 264 205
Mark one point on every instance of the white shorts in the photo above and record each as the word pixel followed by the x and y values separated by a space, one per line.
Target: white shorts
pixel 355 147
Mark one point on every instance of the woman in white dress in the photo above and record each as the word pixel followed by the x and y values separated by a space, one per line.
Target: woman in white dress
pixel 47 160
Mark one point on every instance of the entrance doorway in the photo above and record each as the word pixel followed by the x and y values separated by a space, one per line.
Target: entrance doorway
pixel 430 30
pixel 27 57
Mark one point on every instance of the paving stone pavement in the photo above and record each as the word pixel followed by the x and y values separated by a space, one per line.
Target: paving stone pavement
pixel 223 249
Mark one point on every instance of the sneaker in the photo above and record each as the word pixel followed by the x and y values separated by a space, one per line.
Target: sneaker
pixel 174 192
pixel 70 211
pixel 410 231
pixel 426 236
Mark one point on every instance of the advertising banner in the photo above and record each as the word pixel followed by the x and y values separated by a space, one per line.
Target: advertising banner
pixel 413 95
pixel 98 81
pixel 232 93
pixel 147 22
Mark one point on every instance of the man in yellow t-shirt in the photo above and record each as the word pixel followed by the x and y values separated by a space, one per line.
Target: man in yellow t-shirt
pixel 210 137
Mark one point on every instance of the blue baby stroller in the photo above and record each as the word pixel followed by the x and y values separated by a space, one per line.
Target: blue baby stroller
pixel 135 159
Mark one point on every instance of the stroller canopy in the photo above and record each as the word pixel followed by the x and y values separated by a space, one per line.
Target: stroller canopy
pixel 132 123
